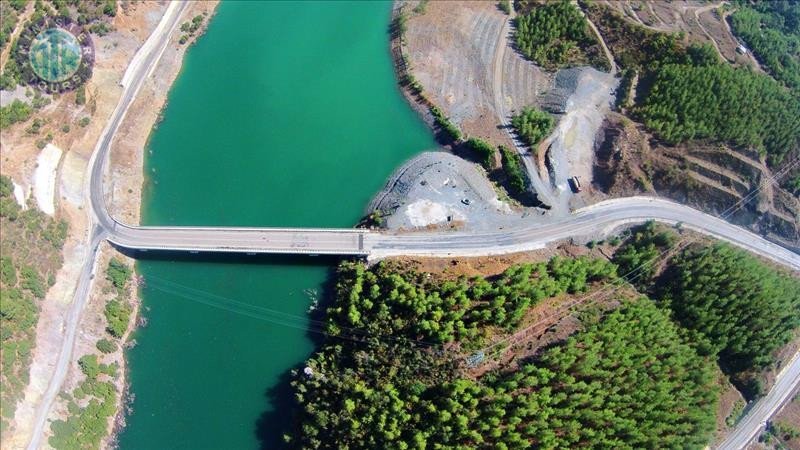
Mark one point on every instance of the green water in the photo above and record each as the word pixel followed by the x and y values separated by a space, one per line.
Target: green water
pixel 285 114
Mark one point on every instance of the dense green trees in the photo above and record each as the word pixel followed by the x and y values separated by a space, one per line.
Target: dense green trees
pixel 772 31
pixel 532 126
pixel 625 381
pixel 722 103
pixel 384 302
pixel 638 257
pixel 552 34
pixel 744 308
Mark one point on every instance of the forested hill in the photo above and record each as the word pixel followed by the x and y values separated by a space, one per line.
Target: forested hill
pixel 686 93
pixel 772 31
pixel 722 103
pixel 736 308
pixel 626 380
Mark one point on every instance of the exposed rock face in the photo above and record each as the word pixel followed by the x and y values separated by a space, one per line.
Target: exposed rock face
pixel 708 176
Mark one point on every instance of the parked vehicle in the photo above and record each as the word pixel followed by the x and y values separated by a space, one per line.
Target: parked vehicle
pixel 575 184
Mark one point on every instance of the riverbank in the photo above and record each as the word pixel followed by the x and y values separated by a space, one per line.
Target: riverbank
pixel 131 26
pixel 72 121
pixel 125 181
pixel 268 150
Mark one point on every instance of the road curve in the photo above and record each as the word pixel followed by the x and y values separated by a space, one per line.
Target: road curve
pixel 141 64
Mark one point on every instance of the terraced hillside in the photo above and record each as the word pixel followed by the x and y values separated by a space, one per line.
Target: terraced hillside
pixel 701 21
pixel 456 50
pixel 711 176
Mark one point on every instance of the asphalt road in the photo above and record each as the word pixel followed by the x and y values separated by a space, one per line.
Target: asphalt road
pixel 753 423
pixel 141 64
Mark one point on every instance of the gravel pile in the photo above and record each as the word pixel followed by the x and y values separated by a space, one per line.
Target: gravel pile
pixel 566 82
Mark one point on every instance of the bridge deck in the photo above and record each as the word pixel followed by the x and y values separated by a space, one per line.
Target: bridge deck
pixel 242 240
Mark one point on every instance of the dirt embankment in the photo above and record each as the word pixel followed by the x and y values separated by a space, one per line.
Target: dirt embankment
pixel 75 127
pixel 733 184
pixel 789 416
pixel 123 187
pixel 700 21
pixel 451 49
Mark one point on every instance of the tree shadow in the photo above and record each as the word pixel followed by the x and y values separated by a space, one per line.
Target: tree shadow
pixel 274 423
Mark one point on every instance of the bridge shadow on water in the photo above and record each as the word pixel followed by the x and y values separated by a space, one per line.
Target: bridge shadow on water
pixel 273 423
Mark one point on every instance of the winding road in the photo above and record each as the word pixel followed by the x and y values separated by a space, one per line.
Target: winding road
pixel 593 221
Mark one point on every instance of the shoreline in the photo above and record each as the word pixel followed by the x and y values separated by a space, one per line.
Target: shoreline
pixel 416 100
pixel 154 102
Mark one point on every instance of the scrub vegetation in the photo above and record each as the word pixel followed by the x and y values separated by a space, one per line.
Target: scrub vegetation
pixel 93 15
pixel 513 170
pixel 483 151
pixel 90 406
pixel 686 93
pixel 190 28
pixel 31 254
pixel 118 310
pixel 94 402
pixel 450 130
pixel 9 12
pixel 16 111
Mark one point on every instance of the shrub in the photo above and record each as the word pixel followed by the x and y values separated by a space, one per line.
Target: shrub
pixel 15 112
pixel 118 273
pixel 106 345
pixel 452 132
pixel 532 126
pixel 483 151
pixel 118 314
pixel 513 171
pixel 505 6
pixel 80 95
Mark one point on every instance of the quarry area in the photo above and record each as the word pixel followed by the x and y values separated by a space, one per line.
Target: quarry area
pixel 466 63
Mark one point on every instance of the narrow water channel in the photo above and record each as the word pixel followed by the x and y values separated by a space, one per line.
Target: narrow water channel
pixel 285 114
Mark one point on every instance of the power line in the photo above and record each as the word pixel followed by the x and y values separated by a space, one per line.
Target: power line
pixel 316 326
pixel 270 315
pixel 638 270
